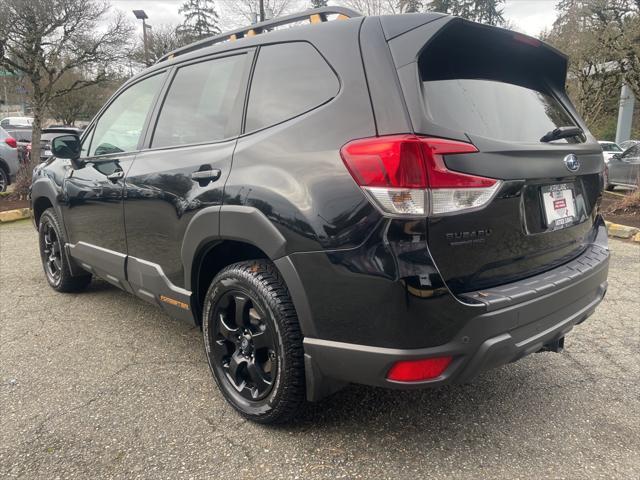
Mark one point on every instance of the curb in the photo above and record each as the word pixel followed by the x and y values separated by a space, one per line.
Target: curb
pixel 14 215
pixel 622 231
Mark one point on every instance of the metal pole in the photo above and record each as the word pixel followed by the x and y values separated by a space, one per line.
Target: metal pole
pixel 262 10
pixel 144 39
pixel 6 99
pixel 625 114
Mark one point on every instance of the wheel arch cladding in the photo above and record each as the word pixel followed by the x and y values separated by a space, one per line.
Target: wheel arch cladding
pixel 43 191
pixel 40 204
pixel 220 236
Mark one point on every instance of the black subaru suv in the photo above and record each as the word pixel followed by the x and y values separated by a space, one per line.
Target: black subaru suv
pixel 399 201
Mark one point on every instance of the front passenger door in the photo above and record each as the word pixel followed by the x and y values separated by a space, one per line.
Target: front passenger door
pixel 93 188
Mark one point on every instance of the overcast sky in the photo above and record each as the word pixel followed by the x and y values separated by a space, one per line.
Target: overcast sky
pixel 528 16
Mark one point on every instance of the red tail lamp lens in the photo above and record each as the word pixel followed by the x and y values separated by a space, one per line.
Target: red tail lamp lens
pixel 11 142
pixel 418 370
pixel 394 161
pixel 407 161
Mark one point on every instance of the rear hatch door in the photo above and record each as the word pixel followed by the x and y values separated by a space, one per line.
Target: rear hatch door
pixel 502 92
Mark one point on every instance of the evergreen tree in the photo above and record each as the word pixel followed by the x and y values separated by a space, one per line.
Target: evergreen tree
pixel 483 11
pixel 200 20
pixel 410 6
pixel 319 3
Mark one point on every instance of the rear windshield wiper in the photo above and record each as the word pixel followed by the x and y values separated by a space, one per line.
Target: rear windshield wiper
pixel 561 132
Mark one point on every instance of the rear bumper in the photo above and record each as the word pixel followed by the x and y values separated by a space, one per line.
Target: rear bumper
pixel 518 319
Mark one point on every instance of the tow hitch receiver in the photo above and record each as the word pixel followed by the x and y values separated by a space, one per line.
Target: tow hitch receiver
pixel 556 346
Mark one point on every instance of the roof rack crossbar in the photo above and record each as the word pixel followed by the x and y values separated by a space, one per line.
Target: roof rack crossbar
pixel 316 15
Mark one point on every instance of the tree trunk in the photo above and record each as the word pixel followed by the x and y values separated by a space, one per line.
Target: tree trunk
pixel 36 135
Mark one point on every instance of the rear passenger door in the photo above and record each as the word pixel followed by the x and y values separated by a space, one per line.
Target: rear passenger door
pixel 182 170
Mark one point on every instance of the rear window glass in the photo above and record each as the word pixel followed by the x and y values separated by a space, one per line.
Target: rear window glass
pixel 289 79
pixel 21 135
pixel 486 82
pixel 494 109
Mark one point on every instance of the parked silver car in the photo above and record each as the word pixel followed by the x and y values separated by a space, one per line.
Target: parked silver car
pixel 8 159
pixel 623 169
pixel 609 149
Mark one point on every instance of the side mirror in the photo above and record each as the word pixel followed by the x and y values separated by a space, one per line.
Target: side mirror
pixel 616 156
pixel 67 147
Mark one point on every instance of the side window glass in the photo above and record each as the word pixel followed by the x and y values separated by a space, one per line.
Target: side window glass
pixel 289 79
pixel 200 102
pixel 120 126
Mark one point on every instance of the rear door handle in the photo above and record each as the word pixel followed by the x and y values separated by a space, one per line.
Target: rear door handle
pixel 115 176
pixel 203 177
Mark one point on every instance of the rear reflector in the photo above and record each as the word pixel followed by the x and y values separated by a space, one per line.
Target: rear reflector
pixel 418 370
pixel 407 175
pixel 11 142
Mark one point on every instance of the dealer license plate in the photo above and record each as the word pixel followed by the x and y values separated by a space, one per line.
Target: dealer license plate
pixel 559 205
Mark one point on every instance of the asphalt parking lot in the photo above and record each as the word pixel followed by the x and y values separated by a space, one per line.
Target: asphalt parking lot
pixel 103 385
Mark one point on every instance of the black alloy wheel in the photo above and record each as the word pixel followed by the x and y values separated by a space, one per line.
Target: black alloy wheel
pixel 52 253
pixel 244 346
pixel 253 341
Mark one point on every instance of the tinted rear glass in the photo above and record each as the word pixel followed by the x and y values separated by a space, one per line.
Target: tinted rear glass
pixel 289 79
pixel 484 81
pixel 21 135
pixel 494 109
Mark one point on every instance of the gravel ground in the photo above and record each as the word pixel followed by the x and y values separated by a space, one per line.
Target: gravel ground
pixel 102 385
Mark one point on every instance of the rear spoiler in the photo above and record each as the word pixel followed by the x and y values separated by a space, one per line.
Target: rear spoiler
pixel 407 47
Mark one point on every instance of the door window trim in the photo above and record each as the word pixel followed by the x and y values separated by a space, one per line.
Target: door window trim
pixel 237 115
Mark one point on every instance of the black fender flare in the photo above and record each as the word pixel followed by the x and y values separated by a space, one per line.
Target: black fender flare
pixel 44 188
pixel 248 225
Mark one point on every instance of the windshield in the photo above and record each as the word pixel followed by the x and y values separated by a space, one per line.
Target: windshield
pixel 610 147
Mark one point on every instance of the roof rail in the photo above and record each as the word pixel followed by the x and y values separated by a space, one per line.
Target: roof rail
pixel 316 15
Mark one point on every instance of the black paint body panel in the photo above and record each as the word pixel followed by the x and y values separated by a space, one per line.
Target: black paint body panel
pixel 356 277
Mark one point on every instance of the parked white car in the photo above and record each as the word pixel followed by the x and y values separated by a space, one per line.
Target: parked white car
pixel 628 144
pixel 23 122
pixel 609 149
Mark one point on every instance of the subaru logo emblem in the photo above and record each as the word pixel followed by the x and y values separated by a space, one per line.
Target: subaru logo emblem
pixel 572 162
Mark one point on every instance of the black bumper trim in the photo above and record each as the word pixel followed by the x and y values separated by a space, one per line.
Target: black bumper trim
pixel 523 290
pixel 489 340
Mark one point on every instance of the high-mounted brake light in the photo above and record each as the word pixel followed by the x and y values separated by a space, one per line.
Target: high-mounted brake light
pixel 534 42
pixel 11 142
pixel 407 175
pixel 418 370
